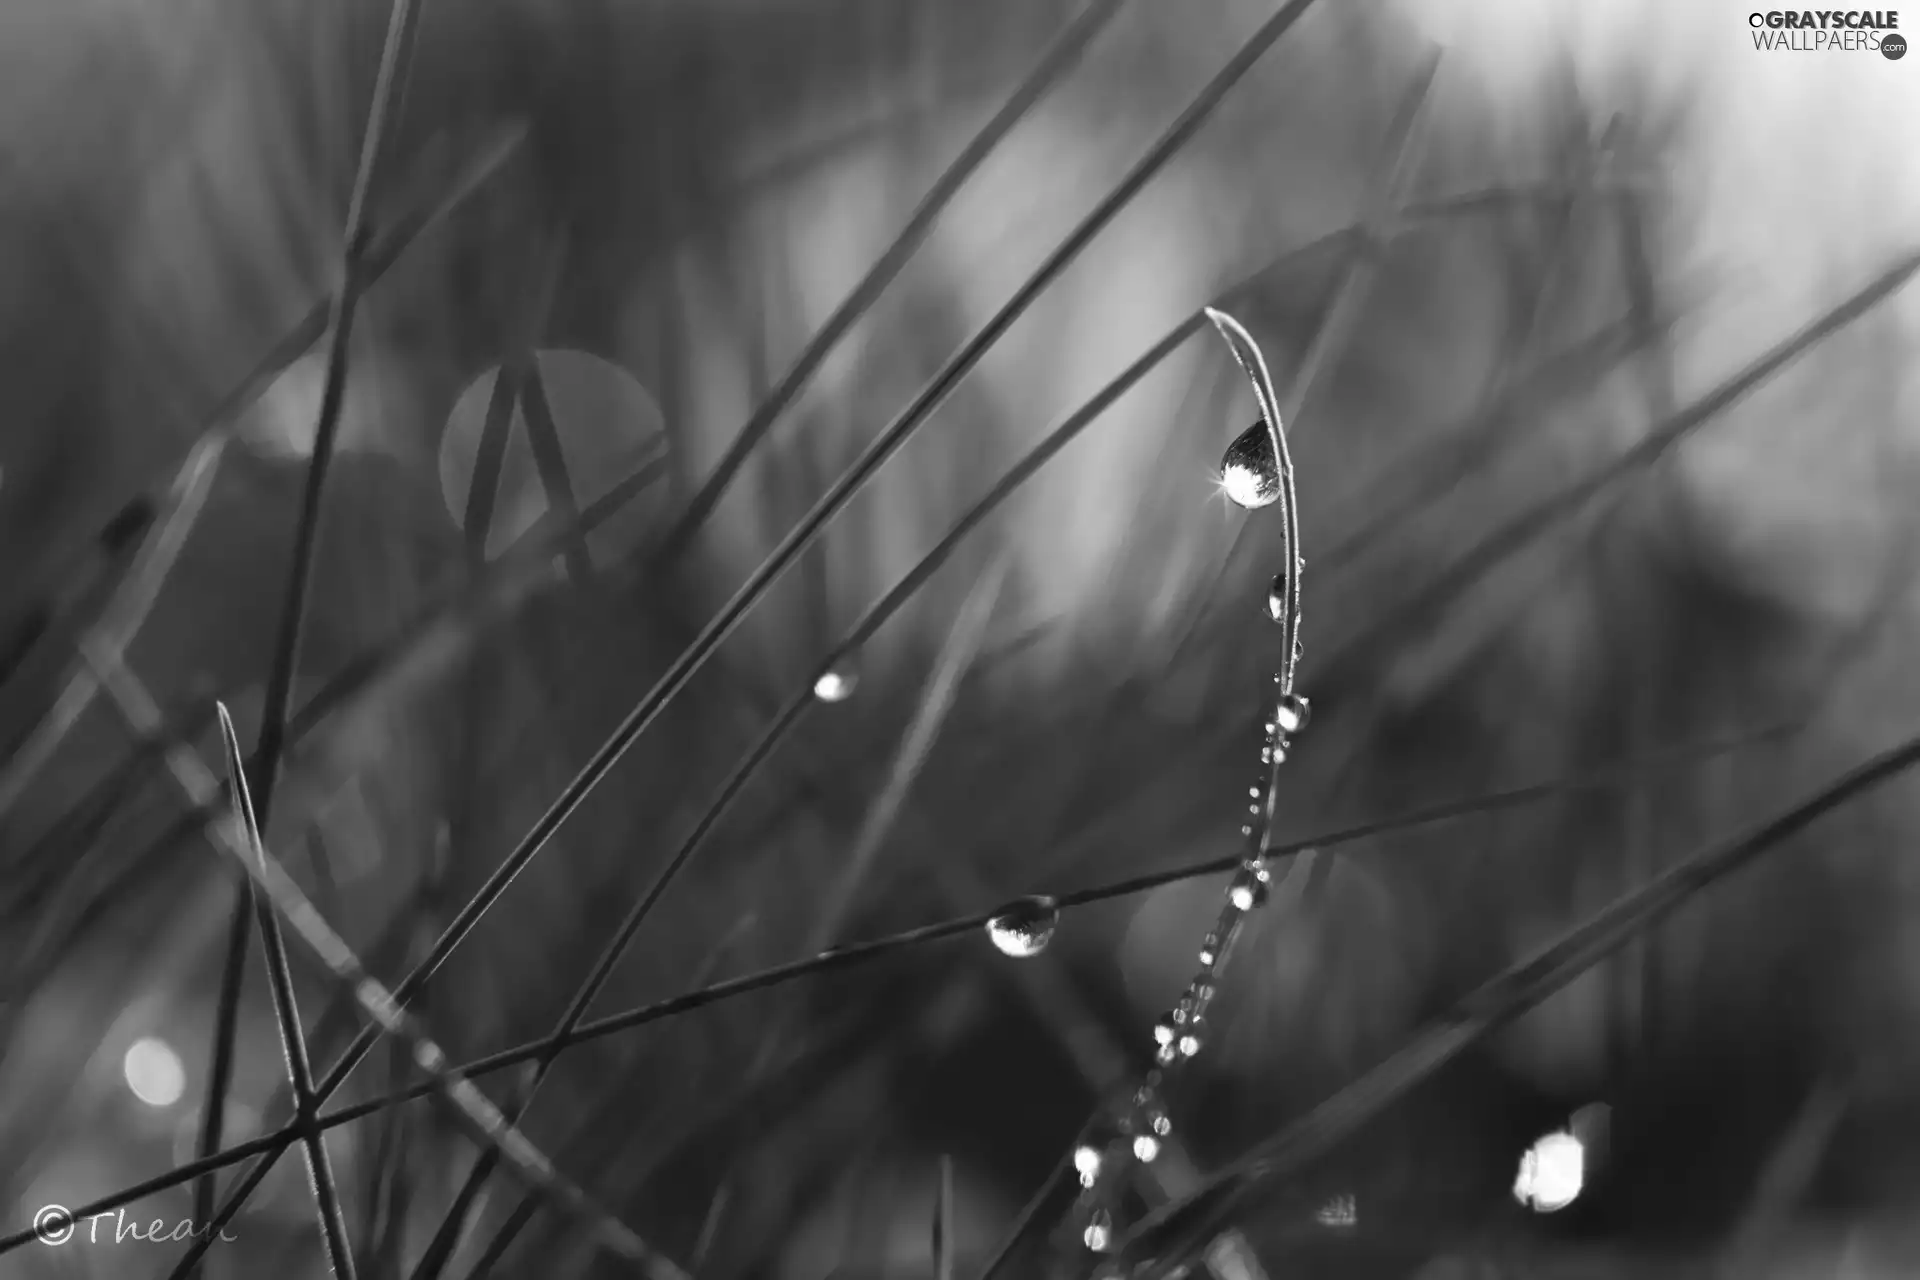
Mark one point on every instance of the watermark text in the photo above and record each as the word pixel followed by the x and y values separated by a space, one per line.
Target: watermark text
pixel 55 1225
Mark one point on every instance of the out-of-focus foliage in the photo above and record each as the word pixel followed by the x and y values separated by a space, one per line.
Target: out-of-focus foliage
pixel 712 178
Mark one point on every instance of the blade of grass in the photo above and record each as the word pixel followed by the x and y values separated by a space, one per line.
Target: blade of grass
pixel 1058 58
pixel 709 1227
pixel 1427 473
pixel 803 700
pixel 1161 1243
pixel 1602 779
pixel 957 654
pixel 844 489
pixel 942 1243
pixel 1385 191
pixel 1508 540
pixel 1102 1061
pixel 121 620
pixel 293 1043
pixel 854 954
pixel 529 1206
pixel 467 1104
pixel 1433 470
pixel 1030 1213
pixel 448 621
pixel 271 744
pixel 414 220
pixel 962 646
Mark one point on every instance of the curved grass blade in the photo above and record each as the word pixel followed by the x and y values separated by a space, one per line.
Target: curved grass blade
pixel 878 451
pixel 1161 1243
pixel 1380 223
pixel 863 630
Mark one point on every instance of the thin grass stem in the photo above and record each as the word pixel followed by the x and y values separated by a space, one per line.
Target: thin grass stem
pixel 1059 58
pixel 1609 777
pixel 1162 1242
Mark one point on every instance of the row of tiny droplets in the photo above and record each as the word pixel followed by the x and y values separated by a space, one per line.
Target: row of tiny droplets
pixel 1180 1033
pixel 1254 474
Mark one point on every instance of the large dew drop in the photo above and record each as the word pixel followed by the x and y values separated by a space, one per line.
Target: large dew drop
pixel 1250 472
pixel 1024 928
pixel 1551 1173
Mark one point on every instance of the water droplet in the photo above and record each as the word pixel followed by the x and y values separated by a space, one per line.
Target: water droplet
pixel 1163 1032
pixel 1277 597
pixel 1145 1148
pixel 1250 473
pixel 1162 1125
pixel 1024 928
pixel 1249 889
pixel 1189 1045
pixel 1206 957
pixel 1086 1160
pixel 1167 1055
pixel 1293 713
pixel 1099 1233
pixel 836 685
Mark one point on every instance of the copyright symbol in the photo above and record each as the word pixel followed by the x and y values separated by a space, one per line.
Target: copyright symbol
pixel 53 1225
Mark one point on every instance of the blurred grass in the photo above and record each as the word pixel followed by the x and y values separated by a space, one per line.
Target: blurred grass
pixel 710 229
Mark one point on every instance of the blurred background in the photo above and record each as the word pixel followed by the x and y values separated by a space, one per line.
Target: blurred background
pixel 1619 206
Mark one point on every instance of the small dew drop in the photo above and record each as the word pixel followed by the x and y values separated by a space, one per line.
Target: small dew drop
pixel 1293 713
pixel 1249 888
pixel 1024 928
pixel 1086 1159
pixel 836 685
pixel 1206 957
pixel 1099 1233
pixel 1250 473
pixel 1552 1173
pixel 1277 597
pixel 1162 1125
pixel 1189 1046
pixel 1145 1148
pixel 1163 1032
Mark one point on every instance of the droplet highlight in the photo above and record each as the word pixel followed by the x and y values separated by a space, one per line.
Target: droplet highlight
pixel 836 685
pixel 1024 928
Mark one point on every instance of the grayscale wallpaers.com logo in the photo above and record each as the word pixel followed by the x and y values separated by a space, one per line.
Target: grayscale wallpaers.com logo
pixel 1825 31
